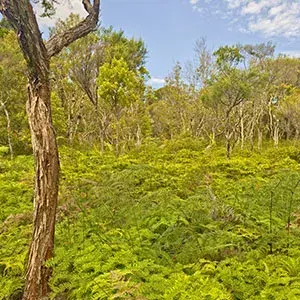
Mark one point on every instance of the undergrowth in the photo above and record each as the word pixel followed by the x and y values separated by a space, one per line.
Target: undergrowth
pixel 169 221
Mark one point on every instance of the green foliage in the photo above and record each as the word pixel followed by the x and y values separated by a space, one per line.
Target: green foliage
pixel 119 47
pixel 4 150
pixel 13 94
pixel 228 56
pixel 118 85
pixel 170 221
pixel 16 183
pixel 230 90
pixel 120 92
pixel 16 179
pixel 4 27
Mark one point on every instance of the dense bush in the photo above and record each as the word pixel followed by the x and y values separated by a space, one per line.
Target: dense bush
pixel 171 221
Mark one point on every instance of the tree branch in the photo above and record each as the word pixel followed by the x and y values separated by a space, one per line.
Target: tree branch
pixel 87 6
pixel 21 16
pixel 61 40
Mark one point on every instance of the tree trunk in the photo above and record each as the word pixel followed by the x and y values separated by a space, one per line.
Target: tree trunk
pixel 297 134
pixel 37 54
pixel 46 190
pixel 242 128
pixel 228 146
pixel 228 134
pixel 138 137
pixel 276 133
pixel 259 138
pixel 8 130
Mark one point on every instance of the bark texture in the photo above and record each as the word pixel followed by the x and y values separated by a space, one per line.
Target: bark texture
pixel 46 190
pixel 37 54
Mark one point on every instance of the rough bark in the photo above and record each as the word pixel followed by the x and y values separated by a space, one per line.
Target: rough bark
pixel 21 16
pixel 46 190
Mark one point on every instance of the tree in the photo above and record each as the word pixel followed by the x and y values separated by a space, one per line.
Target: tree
pixel 200 68
pixel 289 112
pixel 118 46
pixel 229 88
pixel 80 61
pixel 176 111
pixel 76 70
pixel 118 88
pixel 37 54
pixel 259 53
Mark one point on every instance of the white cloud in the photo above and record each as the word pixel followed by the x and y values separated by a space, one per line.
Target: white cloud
pixel 63 10
pixel 272 18
pixel 291 53
pixel 235 3
pixel 156 81
pixel 257 7
pixel 282 20
pixel 276 10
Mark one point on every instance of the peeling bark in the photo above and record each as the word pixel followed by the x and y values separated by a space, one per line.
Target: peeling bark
pixel 46 191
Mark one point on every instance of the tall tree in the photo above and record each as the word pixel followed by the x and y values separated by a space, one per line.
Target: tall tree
pixel 228 89
pixel 119 88
pixel 37 54
pixel 200 68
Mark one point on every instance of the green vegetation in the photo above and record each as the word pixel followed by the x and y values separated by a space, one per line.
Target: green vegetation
pixel 190 191
pixel 169 221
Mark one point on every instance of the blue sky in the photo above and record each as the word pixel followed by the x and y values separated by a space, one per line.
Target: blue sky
pixel 170 28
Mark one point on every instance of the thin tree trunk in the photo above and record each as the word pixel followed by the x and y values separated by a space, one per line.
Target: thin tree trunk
pixel 46 191
pixel 213 137
pixel 138 137
pixel 259 138
pixel 228 147
pixel 117 140
pixel 276 133
pixel 228 135
pixel 271 125
pixel 102 135
pixel 252 136
pixel 8 128
pixel 242 128
pixel 71 114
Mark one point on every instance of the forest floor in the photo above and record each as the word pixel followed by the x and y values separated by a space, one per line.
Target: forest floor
pixel 167 221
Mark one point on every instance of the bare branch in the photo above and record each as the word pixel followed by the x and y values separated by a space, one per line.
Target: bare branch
pixel 61 40
pixel 87 6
